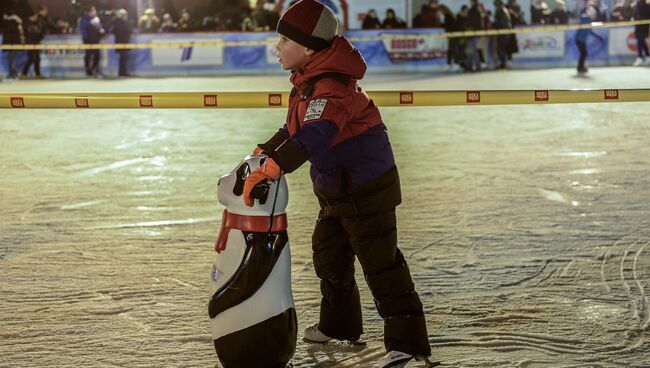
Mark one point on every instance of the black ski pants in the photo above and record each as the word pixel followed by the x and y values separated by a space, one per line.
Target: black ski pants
pixel 359 227
pixel 582 47
pixel 33 58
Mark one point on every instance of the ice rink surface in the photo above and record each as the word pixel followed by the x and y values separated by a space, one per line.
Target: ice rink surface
pixel 526 228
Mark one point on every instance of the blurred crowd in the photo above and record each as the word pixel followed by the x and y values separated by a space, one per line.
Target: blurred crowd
pixel 468 53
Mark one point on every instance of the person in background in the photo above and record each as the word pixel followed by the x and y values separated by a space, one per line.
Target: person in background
pixel 12 34
pixel 250 23
pixel 475 18
pixel 34 34
pixel 581 41
pixel 122 31
pixel 623 11
pixel 94 34
pixel 463 42
pixel 429 16
pixel 392 21
pixel 559 15
pixel 43 19
pixel 539 12
pixel 168 25
pixel 371 21
pixel 516 14
pixel 641 32
pixel 149 22
pixel 61 27
pixel 450 25
pixel 270 14
pixel 184 22
pixel 502 21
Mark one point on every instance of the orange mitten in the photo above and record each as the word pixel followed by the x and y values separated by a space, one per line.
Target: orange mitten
pixel 268 171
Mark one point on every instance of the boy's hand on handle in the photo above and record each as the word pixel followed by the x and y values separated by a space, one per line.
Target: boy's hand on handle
pixel 268 171
pixel 257 151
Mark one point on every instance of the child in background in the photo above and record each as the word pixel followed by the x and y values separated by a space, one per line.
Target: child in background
pixel 581 41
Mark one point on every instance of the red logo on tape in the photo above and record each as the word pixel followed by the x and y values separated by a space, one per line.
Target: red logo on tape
pixel 18 102
pixel 541 96
pixel 146 101
pixel 210 100
pixel 406 98
pixel 473 96
pixel 275 99
pixel 611 94
pixel 81 102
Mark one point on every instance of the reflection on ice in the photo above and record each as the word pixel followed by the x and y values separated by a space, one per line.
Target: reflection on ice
pixel 74 206
pixel 156 161
pixel 157 223
pixel 553 196
pixel 147 137
pixel 589 171
pixel 114 165
pixel 583 154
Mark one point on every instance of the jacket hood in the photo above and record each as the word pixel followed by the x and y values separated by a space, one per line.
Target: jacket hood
pixel 341 57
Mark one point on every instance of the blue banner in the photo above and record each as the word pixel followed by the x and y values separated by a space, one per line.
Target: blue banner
pixel 391 54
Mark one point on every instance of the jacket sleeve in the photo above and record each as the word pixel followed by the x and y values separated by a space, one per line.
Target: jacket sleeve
pixel 278 138
pixel 312 140
pixel 326 114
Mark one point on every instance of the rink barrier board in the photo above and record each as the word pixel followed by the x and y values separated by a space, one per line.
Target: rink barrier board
pixel 245 100
pixel 221 43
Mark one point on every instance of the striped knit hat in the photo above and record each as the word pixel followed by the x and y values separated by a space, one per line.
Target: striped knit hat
pixel 310 24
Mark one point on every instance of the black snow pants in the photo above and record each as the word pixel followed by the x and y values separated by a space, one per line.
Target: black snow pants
pixel 363 224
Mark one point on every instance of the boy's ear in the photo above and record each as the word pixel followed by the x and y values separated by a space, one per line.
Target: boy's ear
pixel 309 52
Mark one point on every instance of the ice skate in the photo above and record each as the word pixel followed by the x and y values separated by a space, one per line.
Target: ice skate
pixel 638 62
pixel 398 359
pixel 313 335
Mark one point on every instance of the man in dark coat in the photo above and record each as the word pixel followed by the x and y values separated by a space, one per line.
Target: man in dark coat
pixel 122 31
pixel 35 31
pixel 475 17
pixel 12 34
pixel 502 21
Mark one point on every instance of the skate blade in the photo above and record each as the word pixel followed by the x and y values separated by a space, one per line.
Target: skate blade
pixel 403 363
pixel 335 342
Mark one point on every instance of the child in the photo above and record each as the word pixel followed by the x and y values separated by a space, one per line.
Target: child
pixel 581 41
pixel 332 123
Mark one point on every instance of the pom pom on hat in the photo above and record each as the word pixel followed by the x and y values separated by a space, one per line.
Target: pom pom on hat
pixel 310 24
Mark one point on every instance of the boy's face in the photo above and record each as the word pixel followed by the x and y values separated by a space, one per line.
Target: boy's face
pixel 293 56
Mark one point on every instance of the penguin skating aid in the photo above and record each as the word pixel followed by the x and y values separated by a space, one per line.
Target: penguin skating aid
pixel 252 314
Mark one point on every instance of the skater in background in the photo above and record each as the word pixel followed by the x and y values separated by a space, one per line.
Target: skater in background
pixel 581 41
pixel 332 123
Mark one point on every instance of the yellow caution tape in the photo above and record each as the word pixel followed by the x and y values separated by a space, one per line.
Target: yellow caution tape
pixel 387 36
pixel 245 100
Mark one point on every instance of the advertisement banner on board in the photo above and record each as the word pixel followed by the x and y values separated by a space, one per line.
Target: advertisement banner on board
pixel 186 56
pixel 622 41
pixel 414 47
pixel 540 45
pixel 67 59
